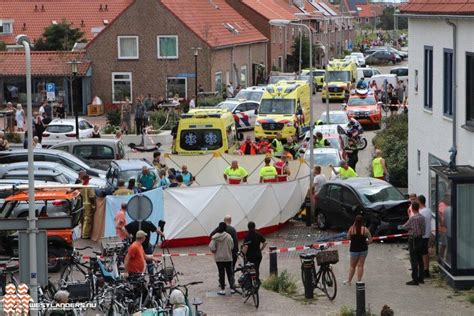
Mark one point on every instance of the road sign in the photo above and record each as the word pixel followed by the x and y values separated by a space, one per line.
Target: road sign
pixel 139 207
pixel 51 91
pixel 42 256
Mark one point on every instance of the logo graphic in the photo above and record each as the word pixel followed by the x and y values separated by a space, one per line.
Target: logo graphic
pixel 16 301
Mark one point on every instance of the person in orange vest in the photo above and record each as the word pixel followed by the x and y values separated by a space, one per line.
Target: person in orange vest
pixel 268 173
pixel 282 168
pixel 263 146
pixel 248 147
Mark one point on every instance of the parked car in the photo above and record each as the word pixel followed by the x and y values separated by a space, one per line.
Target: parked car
pixel 367 73
pixel 51 155
pixel 324 156
pixel 64 201
pixel 335 118
pixel 318 77
pixel 46 176
pixel 244 112
pixel 354 59
pixel 96 152
pixel 251 94
pixel 365 108
pixel 381 57
pixel 125 169
pixel 360 57
pixel 382 205
pixel 70 174
pixel 65 129
pixel 401 73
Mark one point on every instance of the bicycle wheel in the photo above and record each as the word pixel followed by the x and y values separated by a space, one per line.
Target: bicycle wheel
pixel 255 297
pixel 328 279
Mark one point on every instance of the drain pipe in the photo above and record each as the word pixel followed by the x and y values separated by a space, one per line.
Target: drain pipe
pixel 453 150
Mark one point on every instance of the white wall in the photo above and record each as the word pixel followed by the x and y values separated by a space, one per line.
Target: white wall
pixel 431 132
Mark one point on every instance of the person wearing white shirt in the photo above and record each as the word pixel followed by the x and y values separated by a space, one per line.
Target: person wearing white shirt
pixel 426 212
pixel 192 103
pixel 318 181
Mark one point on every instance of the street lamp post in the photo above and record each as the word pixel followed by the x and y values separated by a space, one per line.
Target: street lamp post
pixel 74 70
pixel 196 54
pixel 32 229
pixel 311 110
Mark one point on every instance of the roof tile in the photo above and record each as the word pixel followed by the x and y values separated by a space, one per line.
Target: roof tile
pixel 456 7
pixel 273 9
pixel 216 22
pixel 42 63
pixel 31 17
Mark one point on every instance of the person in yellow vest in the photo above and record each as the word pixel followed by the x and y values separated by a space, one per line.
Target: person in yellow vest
pixel 379 166
pixel 344 171
pixel 320 141
pixel 268 173
pixel 235 174
pixel 277 146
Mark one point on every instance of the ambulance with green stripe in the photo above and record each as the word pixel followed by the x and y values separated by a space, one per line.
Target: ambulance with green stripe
pixel 284 109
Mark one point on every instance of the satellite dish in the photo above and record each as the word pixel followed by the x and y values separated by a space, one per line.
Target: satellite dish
pixel 140 207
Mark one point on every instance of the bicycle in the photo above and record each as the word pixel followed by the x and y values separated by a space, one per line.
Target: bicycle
pixel 323 279
pixel 8 269
pixel 248 281
pixel 196 302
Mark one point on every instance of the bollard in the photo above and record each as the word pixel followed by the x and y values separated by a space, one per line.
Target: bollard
pixel 273 261
pixel 309 213
pixel 360 299
pixel 307 266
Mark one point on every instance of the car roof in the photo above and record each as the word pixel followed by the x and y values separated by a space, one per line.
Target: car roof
pixel 59 121
pixel 335 112
pixel 323 150
pixel 53 165
pixel 360 182
pixel 98 141
pixel 56 194
pixel 42 151
pixel 401 67
pixel 37 172
pixel 132 164
pixel 253 88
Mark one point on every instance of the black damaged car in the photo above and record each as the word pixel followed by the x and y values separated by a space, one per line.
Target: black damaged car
pixel 381 204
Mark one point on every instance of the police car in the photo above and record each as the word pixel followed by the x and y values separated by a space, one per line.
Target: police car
pixel 243 111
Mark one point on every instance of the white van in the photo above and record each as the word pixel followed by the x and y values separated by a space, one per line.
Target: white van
pixel 380 79
pixel 366 73
pixel 402 74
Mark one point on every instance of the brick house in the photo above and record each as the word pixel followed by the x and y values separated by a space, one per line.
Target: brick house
pixel 150 47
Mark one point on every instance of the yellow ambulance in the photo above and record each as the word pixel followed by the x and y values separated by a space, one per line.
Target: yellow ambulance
pixel 284 109
pixel 339 74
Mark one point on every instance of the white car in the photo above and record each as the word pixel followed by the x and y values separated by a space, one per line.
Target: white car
pixel 402 74
pixel 251 94
pixel 354 59
pixel 65 129
pixel 367 73
pixel 243 111
pixel 324 156
pixel 335 118
pixel 360 57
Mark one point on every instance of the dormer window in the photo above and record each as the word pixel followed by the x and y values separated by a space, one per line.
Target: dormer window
pixel 6 27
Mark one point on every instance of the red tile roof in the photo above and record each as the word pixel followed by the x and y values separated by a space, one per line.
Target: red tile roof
pixel 456 7
pixel 42 63
pixel 31 17
pixel 366 11
pixel 215 22
pixel 273 9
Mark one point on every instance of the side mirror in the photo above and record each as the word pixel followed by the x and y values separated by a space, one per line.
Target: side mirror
pixel 256 111
pixel 237 111
pixel 240 136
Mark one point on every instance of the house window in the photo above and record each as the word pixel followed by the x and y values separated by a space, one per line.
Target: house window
pixel 243 76
pixel 127 47
pixel 168 47
pixel 280 62
pixel 281 34
pixel 218 82
pixel 428 78
pixel 121 86
pixel 6 27
pixel 366 20
pixel 448 82
pixel 470 89
pixel 176 86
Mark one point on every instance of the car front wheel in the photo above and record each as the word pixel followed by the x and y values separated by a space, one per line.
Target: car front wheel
pixel 321 221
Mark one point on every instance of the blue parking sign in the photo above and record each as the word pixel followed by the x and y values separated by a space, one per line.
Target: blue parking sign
pixel 50 87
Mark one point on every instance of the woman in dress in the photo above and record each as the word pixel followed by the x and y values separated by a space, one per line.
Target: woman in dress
pixel 126 116
pixel 20 118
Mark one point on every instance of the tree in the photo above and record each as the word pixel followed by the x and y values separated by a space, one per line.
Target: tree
pixel 293 61
pixel 387 20
pixel 61 36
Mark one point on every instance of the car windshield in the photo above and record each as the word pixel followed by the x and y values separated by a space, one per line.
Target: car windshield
pixel 367 73
pixel 379 193
pixel 277 106
pixel 200 139
pixel 324 159
pixel 334 118
pixel 249 95
pixel 361 101
pixel 275 79
pixel 59 128
pixel 227 105
pixel 338 76
pixel 319 73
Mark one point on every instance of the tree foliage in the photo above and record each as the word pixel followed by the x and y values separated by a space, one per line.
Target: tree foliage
pixel 387 20
pixel 61 36
pixel 293 62
pixel 393 141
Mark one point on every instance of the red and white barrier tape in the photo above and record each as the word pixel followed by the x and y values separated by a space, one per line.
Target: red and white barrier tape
pixel 280 250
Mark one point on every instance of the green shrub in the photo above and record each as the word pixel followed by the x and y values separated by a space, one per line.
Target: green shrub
pixel 209 101
pixel 346 311
pixel 13 138
pixel 470 298
pixel 283 283
pixel 110 129
pixel 393 142
pixel 162 119
pixel 113 117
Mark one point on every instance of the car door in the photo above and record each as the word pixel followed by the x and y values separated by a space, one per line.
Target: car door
pixel 241 114
pixel 333 206
pixel 85 129
pixel 250 108
pixel 350 207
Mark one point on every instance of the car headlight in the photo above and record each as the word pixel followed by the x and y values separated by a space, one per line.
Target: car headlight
pixel 257 123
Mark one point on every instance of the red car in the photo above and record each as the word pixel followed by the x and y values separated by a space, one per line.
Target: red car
pixel 365 109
